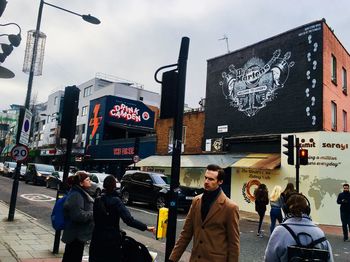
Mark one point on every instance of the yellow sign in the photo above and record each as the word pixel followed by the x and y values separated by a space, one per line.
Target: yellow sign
pixel 162 222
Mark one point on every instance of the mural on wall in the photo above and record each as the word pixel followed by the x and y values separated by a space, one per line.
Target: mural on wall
pixel 273 86
pixel 321 181
pixel 251 87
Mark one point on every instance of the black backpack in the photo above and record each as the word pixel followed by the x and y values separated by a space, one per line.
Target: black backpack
pixel 299 252
pixel 133 251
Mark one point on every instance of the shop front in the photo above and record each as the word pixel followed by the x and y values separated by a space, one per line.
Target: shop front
pixel 320 181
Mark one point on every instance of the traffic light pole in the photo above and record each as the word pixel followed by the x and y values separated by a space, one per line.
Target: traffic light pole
pixel 297 163
pixel 177 142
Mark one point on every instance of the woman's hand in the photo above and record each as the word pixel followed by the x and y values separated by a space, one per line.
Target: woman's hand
pixel 151 229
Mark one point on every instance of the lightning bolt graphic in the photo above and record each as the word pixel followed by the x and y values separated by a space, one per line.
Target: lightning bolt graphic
pixel 95 121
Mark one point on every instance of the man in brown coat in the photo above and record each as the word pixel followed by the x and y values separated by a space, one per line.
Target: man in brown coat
pixel 213 222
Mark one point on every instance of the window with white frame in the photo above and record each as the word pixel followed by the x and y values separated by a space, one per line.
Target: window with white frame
pixel 171 135
pixel 334 115
pixel 344 81
pixel 55 102
pixel 334 69
pixel 87 91
pixel 84 110
pixel 345 121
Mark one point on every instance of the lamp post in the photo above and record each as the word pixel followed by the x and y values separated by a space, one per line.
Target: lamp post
pixel 87 18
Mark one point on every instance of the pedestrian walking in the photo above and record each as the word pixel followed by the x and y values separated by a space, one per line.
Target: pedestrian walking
pixel 344 201
pixel 308 234
pixel 276 206
pixel 79 217
pixel 285 194
pixel 261 195
pixel 105 244
pixel 212 222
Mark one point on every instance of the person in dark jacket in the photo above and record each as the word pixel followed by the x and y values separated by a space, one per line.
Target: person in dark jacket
pixel 344 201
pixel 261 195
pixel 106 237
pixel 78 212
pixel 285 194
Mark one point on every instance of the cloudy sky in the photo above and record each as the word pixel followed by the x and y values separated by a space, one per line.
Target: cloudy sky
pixel 136 37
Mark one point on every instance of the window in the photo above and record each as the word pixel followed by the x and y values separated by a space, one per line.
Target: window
pixel 334 116
pixel 83 129
pixel 334 69
pixel 87 91
pixel 84 110
pixel 171 135
pixel 55 102
pixel 345 121
pixel 344 81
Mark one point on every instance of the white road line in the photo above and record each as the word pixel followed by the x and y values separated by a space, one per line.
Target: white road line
pixel 151 213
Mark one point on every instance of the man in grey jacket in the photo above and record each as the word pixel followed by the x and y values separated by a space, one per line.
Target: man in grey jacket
pixel 298 220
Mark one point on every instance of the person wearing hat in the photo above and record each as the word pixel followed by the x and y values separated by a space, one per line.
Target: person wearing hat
pixel 79 216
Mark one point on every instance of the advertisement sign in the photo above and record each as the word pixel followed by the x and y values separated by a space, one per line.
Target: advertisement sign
pixel 274 86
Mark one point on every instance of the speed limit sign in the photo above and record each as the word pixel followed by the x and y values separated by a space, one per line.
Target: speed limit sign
pixel 19 153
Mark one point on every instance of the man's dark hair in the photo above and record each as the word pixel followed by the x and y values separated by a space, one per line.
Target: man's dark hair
pixel 109 184
pixel 345 185
pixel 297 204
pixel 221 172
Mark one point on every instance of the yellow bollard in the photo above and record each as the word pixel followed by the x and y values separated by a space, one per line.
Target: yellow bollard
pixel 162 222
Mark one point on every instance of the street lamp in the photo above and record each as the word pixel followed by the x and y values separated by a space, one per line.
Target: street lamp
pixel 87 18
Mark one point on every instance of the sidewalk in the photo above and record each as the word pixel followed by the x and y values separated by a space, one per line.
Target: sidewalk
pixel 25 240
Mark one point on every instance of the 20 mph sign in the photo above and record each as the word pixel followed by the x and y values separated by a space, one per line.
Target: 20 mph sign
pixel 19 153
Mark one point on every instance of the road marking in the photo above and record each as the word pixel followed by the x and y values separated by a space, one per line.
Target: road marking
pixel 151 213
pixel 38 197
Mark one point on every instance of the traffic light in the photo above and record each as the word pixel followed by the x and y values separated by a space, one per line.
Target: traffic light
pixel 290 146
pixel 69 112
pixel 168 103
pixel 304 157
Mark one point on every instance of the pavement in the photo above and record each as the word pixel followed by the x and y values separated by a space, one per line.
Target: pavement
pixel 26 240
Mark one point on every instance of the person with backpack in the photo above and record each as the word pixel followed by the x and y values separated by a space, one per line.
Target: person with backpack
pixel 276 207
pixel 78 218
pixel 344 201
pixel 106 239
pixel 298 237
pixel 261 201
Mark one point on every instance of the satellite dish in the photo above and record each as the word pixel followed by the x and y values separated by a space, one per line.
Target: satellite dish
pixel 6 73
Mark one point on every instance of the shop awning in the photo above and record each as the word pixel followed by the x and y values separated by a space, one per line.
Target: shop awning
pixel 259 161
pixel 191 160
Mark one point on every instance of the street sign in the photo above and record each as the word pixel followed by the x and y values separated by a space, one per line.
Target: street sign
pixel 26 127
pixel 136 158
pixel 19 153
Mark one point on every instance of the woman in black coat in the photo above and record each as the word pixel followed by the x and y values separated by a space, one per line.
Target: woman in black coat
pixel 261 201
pixel 106 237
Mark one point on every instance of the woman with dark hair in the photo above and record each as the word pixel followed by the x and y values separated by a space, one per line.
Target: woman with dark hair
pixel 299 222
pixel 78 211
pixel 106 237
pixel 261 195
pixel 285 194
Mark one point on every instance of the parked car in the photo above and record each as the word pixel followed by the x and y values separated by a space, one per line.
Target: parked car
pixel 38 173
pixel 54 180
pixel 97 183
pixel 9 168
pixel 1 167
pixel 153 188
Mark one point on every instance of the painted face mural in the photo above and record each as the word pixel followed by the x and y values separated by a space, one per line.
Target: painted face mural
pixel 251 87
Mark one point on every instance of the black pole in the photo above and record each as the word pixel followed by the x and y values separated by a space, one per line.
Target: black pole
pixel 176 154
pixel 22 113
pixel 297 163
pixel 63 190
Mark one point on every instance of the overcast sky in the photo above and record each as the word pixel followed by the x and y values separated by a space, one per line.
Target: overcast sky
pixel 136 37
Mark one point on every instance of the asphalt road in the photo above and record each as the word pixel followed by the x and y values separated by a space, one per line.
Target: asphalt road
pixel 40 205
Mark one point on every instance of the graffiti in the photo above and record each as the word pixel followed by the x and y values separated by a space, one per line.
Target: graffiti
pixel 248 192
pixel 250 88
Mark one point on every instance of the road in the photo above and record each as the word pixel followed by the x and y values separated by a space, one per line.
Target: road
pixel 252 247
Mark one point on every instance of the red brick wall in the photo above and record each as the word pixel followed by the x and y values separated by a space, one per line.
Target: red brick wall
pixel 331 91
pixel 194 122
